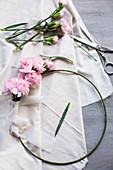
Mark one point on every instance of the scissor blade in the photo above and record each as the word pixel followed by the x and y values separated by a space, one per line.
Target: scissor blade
pixel 105 49
pixel 88 43
pixel 91 44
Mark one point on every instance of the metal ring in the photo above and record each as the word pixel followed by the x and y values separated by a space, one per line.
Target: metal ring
pixel 107 65
pixel 98 143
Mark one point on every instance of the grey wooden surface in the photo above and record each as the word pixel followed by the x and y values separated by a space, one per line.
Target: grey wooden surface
pixel 98 18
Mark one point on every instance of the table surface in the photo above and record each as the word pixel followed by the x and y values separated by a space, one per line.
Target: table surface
pixel 98 18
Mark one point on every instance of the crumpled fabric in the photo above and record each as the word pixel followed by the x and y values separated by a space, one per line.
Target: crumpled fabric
pixel 36 117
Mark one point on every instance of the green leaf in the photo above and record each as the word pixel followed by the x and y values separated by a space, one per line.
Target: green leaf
pixel 13 26
pixel 62 118
pixel 85 51
pixel 9 40
pixel 14 29
pixel 14 33
pixel 55 57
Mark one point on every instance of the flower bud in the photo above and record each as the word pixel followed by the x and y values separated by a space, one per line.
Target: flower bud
pixel 63 2
pixel 52 39
pixel 49 39
pixel 48 43
pixel 51 24
pixel 61 6
pixel 57 25
pixel 57 10
pixel 50 65
pixel 59 14
pixel 55 39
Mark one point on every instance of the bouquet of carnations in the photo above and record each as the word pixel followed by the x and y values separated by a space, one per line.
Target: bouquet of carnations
pixel 29 75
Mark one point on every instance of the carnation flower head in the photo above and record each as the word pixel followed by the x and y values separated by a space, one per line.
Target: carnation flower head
pixel 26 69
pixel 64 25
pixel 16 86
pixel 22 86
pixel 33 78
pixel 38 64
pixel 6 88
pixel 26 65
pixel 32 64
pixel 21 75
pixel 55 39
pixel 50 64
pixel 62 13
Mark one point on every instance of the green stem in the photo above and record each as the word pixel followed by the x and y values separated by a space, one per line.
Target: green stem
pixel 39 40
pixel 20 33
pixel 40 22
pixel 15 98
pixel 85 51
pixel 26 42
pixel 13 26
pixel 57 57
pixel 98 52
pixel 98 143
pixel 13 43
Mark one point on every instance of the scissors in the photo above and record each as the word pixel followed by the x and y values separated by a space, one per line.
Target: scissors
pixel 99 48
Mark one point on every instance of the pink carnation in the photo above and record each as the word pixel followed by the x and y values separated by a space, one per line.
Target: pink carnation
pixel 27 61
pixel 21 75
pixel 38 64
pixel 23 87
pixel 30 64
pixel 55 39
pixel 26 65
pixel 61 13
pixel 50 64
pixel 33 78
pixel 16 86
pixel 52 39
pixel 64 26
pixel 26 69
pixel 6 88
pixel 63 2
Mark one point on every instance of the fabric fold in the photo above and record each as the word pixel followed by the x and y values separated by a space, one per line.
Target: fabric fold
pixel 36 116
pixel 57 90
pixel 86 66
pixel 20 120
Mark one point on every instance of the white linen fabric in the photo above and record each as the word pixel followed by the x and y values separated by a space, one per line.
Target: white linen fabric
pixel 35 117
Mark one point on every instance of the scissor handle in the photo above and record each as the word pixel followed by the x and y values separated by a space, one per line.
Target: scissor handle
pixel 109 64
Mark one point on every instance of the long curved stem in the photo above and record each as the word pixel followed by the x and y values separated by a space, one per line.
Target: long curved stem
pixel 98 143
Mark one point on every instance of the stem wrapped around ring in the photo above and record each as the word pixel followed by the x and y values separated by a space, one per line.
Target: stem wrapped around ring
pixel 98 143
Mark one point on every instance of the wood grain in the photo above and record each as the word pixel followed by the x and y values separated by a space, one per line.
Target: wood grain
pixel 98 18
